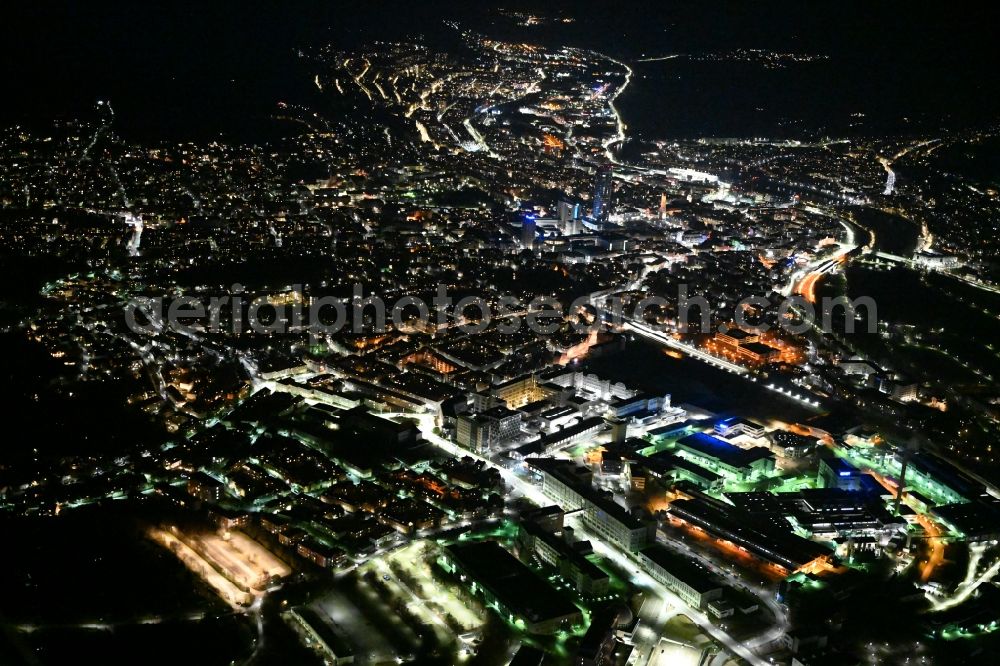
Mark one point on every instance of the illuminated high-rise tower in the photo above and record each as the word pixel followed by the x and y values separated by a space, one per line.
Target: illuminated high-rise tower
pixel 529 229
pixel 569 217
pixel 603 186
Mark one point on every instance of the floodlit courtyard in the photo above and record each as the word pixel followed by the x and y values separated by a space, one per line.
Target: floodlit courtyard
pixel 393 606
pixel 408 575
pixel 244 560
pixel 234 565
pixel 667 653
pixel 410 568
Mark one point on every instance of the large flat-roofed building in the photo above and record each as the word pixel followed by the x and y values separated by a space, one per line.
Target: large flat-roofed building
pixel 570 486
pixel 562 481
pixel 473 433
pixel 364 424
pixel 205 488
pixel 725 458
pixel 572 434
pixel 320 554
pixel 671 469
pixel 823 512
pixel 747 346
pixel 334 650
pixel 686 578
pixel 737 336
pixel 524 390
pixel 791 445
pixel 554 418
pixel 858 366
pixel 734 426
pixel 672 430
pixel 758 352
pixel 780 547
pixel 520 595
pixel 600 389
pixel 549 517
pixel 483 432
pixel 588 579
pixel 528 656
pixel 941 478
pixel 616 524
pixel 838 473
pixel 976 521
pixel 643 403
pixel 597 647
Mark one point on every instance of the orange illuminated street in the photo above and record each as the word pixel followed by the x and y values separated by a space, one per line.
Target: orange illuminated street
pixel 935 543
pixel 807 286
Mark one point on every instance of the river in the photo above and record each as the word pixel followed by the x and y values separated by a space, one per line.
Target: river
pixel 644 365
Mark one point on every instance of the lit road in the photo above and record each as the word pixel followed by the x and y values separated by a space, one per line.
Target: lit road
pixel 477 137
pixel 693 351
pixel 659 58
pixel 886 162
pixel 641 578
pixel 764 595
pixel 932 529
pixel 620 126
pixel 259 623
pixel 890 177
pixel 936 556
pixel 193 616
pixel 804 282
pixel 968 586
